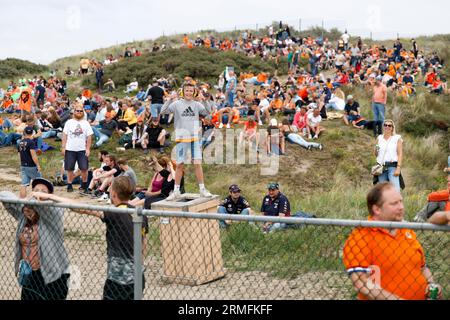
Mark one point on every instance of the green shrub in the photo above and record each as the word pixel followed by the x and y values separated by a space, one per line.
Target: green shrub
pixel 11 68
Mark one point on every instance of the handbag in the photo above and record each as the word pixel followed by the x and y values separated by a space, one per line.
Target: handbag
pixel 25 269
pixel 378 169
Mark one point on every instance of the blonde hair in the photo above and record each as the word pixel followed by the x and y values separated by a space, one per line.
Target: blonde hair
pixel 394 132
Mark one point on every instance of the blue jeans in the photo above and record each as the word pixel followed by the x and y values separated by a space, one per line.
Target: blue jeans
pixel 448 162
pixel 297 139
pixel 102 139
pixel 49 134
pixel 230 99
pixel 223 210
pixel 10 139
pixel 388 175
pixel 277 226
pixel 378 111
pixel 7 124
pixel 155 109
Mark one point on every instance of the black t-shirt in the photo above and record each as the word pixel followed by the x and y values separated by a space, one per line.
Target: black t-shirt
pixel 118 171
pixel 153 133
pixel 167 186
pixel 353 107
pixel 157 95
pixel 41 92
pixel 24 148
pixel 235 207
pixel 119 233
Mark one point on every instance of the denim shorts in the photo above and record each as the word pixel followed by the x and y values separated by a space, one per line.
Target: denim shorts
pixel 155 109
pixel 28 174
pixel 183 147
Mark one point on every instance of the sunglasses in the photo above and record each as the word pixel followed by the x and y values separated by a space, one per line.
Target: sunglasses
pixel 389 125
pixel 79 110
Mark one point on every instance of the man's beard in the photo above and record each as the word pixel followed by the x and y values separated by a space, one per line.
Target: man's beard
pixel 78 115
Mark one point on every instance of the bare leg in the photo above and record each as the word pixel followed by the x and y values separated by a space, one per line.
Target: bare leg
pixel 198 172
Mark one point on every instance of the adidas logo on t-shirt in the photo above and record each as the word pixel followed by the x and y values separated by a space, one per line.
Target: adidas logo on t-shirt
pixel 188 112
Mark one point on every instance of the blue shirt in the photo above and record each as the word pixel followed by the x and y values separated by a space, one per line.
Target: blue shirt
pixel 276 206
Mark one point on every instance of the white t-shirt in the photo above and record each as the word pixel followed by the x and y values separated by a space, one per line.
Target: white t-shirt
pixel 264 104
pixel 391 146
pixel 314 121
pixel 77 133
pixel 345 37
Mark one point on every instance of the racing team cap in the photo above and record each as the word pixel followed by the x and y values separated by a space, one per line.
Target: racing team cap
pixel 273 186
pixel 234 188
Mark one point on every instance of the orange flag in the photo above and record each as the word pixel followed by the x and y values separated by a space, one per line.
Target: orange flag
pixel 25 100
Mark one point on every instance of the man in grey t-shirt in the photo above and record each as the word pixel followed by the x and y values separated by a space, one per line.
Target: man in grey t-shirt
pixel 127 171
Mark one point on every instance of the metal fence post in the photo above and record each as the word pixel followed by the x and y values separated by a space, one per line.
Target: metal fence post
pixel 137 243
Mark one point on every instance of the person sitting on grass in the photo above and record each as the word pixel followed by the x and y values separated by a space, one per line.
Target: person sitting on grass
pixel 437 201
pixel 119 284
pixel 275 142
pixel 250 132
pixel 275 204
pixel 291 135
pixel 140 135
pixel 313 122
pixel 156 136
pixel 235 203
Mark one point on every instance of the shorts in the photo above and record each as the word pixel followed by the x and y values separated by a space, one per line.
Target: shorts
pixel 155 109
pixel 183 147
pixel 72 157
pixel 28 174
pixel 352 118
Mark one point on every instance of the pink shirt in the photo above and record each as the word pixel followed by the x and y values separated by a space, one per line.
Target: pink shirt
pixel 380 94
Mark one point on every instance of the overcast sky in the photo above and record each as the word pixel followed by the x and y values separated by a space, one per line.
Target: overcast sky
pixel 42 31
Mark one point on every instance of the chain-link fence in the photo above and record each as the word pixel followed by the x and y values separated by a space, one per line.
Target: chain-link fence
pixel 190 256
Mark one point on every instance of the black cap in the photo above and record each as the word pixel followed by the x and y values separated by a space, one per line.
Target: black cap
pixel 234 188
pixel 43 181
pixel 28 130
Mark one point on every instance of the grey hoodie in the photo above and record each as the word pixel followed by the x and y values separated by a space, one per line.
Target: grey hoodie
pixel 186 117
pixel 52 252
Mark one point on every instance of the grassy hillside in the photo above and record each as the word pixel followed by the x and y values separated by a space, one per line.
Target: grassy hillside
pixel 200 63
pixel 12 68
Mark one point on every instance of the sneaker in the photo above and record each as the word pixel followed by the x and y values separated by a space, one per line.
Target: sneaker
pixel 320 147
pixel 228 126
pixel 316 137
pixel 69 188
pixel 221 125
pixel 260 123
pixel 86 192
pixel 174 196
pixel 309 148
pixel 96 194
pixel 104 197
pixel 421 217
pixel 205 193
pixel 309 136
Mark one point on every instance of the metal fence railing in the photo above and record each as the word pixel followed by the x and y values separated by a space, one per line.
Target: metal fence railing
pixel 189 256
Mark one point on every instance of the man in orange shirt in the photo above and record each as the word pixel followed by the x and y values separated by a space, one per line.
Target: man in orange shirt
pixel 379 101
pixel 387 264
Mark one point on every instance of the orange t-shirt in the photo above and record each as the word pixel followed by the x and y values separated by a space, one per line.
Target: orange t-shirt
pixel 262 77
pixel 439 196
pixel 400 260
pixel 276 103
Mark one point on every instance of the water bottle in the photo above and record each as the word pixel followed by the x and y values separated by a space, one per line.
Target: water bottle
pixel 434 291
